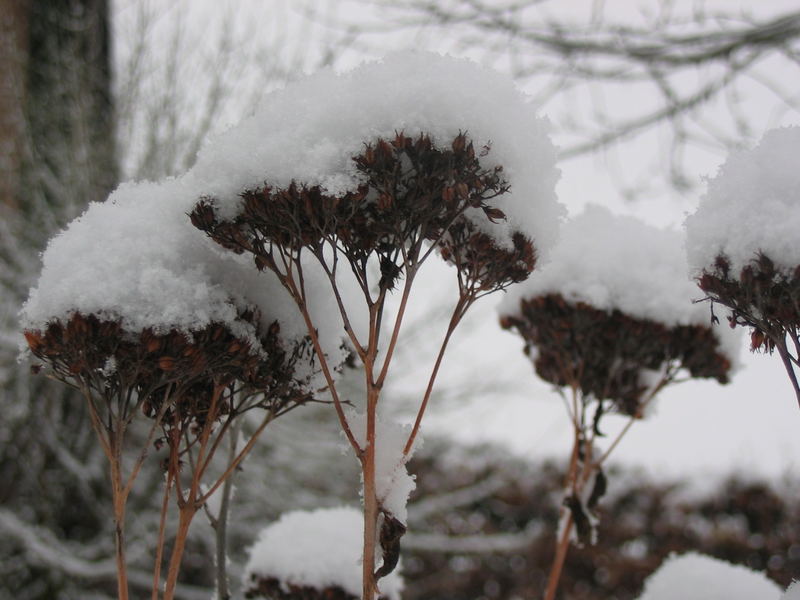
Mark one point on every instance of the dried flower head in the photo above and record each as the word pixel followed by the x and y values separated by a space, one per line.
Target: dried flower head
pixel 605 353
pixel 100 357
pixel 411 191
pixel 759 296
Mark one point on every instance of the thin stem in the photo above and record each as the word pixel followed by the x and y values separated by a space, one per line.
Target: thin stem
pixel 558 561
pixel 784 354
pixel 186 515
pixel 239 458
pixel 119 498
pixel 458 312
pixel 323 363
pixel 571 482
pixel 369 589
pixel 340 304
pixel 146 447
pixel 220 523
pixel 667 378
pixel 397 323
pixel 162 530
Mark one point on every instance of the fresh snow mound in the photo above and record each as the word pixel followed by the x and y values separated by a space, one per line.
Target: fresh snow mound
pixel 751 206
pixel 309 131
pixel 694 576
pixel 319 549
pixel 618 262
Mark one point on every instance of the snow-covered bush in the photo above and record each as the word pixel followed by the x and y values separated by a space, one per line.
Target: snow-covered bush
pixel 742 246
pixel 312 555
pixel 610 319
pixel 370 173
pixel 140 313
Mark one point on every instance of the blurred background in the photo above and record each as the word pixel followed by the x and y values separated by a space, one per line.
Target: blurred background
pixel 645 98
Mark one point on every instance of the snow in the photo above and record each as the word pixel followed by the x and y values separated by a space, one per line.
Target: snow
pixel 393 483
pixel 618 262
pixel 751 206
pixel 694 576
pixel 792 592
pixel 309 131
pixel 319 549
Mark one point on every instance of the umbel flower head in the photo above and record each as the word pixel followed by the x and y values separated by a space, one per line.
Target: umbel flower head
pixel 102 359
pixel 608 355
pixel 612 314
pixel 411 192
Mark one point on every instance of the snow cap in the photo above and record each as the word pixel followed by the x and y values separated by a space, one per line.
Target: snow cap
pixel 318 549
pixel 751 206
pixel 618 262
pixel 694 576
pixel 137 259
pixel 309 132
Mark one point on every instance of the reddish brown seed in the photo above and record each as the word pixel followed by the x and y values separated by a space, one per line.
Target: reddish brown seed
pixel 34 339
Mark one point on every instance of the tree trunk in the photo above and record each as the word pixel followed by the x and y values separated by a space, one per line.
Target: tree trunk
pixel 69 156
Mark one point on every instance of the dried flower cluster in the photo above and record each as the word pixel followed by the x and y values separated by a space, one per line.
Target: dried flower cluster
pixel 760 296
pixel 412 191
pixel 605 353
pixel 100 357
pixel 271 588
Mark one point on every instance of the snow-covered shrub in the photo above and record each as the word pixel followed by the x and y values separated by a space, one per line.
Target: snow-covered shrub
pixel 693 576
pixel 140 313
pixel 610 319
pixel 312 555
pixel 742 244
pixel 369 173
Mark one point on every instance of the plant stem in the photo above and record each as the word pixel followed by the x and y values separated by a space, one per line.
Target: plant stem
pixel 119 539
pixel 558 562
pixel 221 523
pixel 562 544
pixel 787 363
pixel 370 499
pixel 162 528
pixel 187 512
pixel 119 498
pixel 458 313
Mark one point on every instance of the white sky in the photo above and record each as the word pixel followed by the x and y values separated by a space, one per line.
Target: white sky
pixel 700 427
